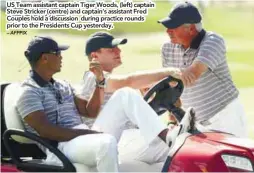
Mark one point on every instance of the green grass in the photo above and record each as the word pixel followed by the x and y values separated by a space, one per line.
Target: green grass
pixel 242 67
pixel 245 57
pixel 3 22
pixel 243 79
pixel 230 22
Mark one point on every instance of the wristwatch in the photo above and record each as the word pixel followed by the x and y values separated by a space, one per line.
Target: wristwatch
pixel 101 84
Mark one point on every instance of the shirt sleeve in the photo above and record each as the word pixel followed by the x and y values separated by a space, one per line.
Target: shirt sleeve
pixel 166 55
pixel 212 52
pixel 29 101
pixel 88 85
pixel 163 55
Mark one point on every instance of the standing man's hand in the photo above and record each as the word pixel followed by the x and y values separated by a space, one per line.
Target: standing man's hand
pixel 176 73
pixel 96 68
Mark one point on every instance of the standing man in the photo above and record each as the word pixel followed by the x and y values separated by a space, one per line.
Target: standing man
pixel 201 56
pixel 99 86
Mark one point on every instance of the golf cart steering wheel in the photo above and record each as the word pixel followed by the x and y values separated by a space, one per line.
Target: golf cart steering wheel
pixel 162 97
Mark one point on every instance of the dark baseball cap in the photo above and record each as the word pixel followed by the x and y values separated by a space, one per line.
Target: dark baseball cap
pixel 39 45
pixel 102 40
pixel 181 13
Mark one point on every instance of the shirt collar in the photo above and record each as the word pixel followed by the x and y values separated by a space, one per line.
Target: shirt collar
pixel 197 40
pixel 39 80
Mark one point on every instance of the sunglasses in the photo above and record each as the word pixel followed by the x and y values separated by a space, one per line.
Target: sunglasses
pixel 57 53
pixel 58 95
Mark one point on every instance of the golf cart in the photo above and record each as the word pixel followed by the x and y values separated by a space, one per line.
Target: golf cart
pixel 199 150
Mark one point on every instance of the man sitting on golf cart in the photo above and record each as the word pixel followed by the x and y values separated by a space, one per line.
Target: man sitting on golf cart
pixel 99 84
pixel 51 109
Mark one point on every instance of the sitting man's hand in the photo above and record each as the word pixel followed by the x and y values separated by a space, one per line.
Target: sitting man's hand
pixel 96 68
pixel 144 90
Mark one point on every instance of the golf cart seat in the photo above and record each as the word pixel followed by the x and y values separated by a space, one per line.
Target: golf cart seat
pixel 24 152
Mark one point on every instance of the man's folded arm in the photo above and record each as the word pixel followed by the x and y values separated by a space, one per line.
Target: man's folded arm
pixel 39 122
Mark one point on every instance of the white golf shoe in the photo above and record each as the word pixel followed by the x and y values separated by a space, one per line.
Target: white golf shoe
pixel 185 125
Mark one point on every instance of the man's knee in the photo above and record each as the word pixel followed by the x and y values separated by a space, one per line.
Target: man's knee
pixel 108 144
pixel 126 90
